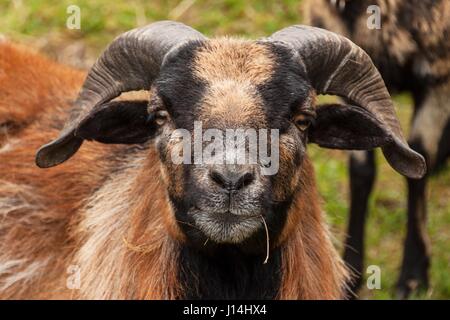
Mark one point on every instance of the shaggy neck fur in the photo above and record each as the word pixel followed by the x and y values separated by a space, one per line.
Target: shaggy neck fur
pixel 124 249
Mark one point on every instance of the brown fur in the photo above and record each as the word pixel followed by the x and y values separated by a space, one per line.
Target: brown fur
pixel 422 40
pixel 107 212
pixel 26 91
pixel 226 58
pixel 311 268
pixel 233 68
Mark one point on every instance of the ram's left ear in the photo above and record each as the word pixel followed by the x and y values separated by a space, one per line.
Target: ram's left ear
pixel 124 122
pixel 347 127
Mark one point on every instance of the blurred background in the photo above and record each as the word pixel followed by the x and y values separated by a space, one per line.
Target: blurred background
pixel 41 24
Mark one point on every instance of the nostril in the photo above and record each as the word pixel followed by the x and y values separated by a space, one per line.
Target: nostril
pixel 246 179
pixel 232 180
pixel 218 178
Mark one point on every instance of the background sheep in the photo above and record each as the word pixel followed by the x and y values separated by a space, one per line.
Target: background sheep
pixel 412 52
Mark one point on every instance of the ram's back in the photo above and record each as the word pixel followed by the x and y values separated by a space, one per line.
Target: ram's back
pixel 38 207
pixel 410 48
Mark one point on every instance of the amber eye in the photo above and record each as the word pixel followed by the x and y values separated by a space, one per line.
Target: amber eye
pixel 302 122
pixel 161 117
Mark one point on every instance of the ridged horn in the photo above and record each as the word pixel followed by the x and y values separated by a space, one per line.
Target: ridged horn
pixel 335 65
pixel 131 62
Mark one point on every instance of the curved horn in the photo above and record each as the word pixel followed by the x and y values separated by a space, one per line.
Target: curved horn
pixel 337 66
pixel 131 62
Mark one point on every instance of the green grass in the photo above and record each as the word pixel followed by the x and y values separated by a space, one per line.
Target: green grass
pixel 36 20
pixel 101 20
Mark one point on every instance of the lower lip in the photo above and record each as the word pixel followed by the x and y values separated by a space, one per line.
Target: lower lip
pixel 233 218
pixel 227 213
pixel 233 225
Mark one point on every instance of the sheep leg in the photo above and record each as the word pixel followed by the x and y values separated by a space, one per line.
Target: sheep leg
pixel 414 273
pixel 362 177
pixel 415 264
pixel 430 135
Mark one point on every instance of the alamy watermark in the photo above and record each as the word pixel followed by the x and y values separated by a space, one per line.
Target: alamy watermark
pixel 74 19
pixel 374 20
pixel 374 280
pixel 229 146
pixel 73 281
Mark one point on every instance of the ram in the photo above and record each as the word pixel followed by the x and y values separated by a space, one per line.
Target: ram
pixel 411 48
pixel 122 220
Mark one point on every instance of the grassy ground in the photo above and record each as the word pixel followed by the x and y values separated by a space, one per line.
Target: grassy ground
pixel 42 23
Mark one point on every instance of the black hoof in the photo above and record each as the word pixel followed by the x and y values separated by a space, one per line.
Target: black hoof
pixel 413 282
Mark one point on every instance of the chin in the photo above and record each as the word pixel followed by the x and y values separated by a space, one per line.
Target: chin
pixel 226 227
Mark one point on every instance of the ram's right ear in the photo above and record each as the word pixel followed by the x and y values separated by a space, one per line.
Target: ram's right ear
pixel 121 122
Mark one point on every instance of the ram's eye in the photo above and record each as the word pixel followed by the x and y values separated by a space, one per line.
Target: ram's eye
pixel 161 117
pixel 157 116
pixel 302 122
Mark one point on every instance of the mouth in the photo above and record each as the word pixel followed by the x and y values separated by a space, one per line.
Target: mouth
pixel 233 216
pixel 227 226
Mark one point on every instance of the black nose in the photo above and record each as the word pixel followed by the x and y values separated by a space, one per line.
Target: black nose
pixel 232 179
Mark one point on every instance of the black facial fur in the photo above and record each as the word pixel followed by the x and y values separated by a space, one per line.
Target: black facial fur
pixel 178 87
pixel 217 270
pixel 275 215
pixel 228 273
pixel 285 90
